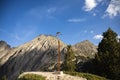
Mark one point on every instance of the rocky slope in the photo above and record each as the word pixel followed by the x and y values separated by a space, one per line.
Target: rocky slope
pixel 86 49
pixel 40 54
pixel 4 48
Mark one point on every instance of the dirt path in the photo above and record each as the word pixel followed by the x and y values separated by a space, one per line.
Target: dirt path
pixel 53 76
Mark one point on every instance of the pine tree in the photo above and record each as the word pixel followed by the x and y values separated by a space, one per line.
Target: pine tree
pixel 108 57
pixel 69 63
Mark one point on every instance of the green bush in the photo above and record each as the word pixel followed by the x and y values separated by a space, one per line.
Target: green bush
pixel 32 77
pixel 4 78
pixel 69 62
pixel 88 76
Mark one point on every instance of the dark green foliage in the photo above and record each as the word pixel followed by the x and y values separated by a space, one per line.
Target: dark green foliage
pixel 69 63
pixel 86 75
pixel 89 66
pixel 107 60
pixel 4 78
pixel 32 77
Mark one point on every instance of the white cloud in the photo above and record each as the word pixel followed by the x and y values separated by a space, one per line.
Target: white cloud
pixel 113 9
pixel 91 32
pixel 76 20
pixel 51 10
pixel 18 38
pixel 118 36
pixel 85 31
pixel 36 12
pixel 43 12
pixel 90 4
pixel 94 14
pixel 23 35
pixel 99 36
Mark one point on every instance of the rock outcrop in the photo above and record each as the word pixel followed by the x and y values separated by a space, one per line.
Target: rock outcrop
pixel 4 48
pixel 86 49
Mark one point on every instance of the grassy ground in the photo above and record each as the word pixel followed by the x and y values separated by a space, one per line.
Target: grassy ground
pixel 32 77
pixel 88 76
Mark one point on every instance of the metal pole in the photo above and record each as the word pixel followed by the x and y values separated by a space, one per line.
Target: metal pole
pixel 58 64
pixel 58 56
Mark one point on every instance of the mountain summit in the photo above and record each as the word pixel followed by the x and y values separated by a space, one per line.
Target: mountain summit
pixel 86 48
pixel 4 48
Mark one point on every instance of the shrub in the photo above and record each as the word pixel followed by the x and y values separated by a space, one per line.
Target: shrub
pixel 69 62
pixel 88 76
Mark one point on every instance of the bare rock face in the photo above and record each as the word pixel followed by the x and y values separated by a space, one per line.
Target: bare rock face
pixel 4 48
pixel 40 54
pixel 86 49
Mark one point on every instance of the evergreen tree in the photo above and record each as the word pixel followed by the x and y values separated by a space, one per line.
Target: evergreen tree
pixel 69 63
pixel 108 57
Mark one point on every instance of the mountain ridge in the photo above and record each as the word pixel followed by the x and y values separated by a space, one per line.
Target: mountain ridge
pixel 39 54
pixel 4 48
pixel 86 48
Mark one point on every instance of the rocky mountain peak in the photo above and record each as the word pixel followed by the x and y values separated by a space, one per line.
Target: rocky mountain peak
pixel 39 54
pixel 4 47
pixel 85 42
pixel 86 49
pixel 3 44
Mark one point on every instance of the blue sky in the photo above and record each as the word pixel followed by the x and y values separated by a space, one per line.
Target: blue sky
pixel 77 20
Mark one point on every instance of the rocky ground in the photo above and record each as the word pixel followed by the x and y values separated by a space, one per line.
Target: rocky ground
pixel 55 76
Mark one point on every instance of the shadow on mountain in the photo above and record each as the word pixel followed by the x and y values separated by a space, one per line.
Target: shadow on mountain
pixel 32 60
